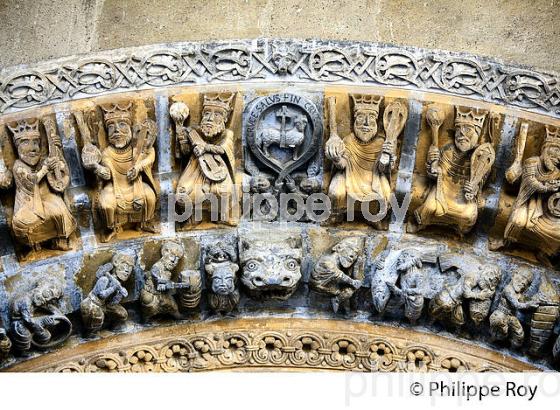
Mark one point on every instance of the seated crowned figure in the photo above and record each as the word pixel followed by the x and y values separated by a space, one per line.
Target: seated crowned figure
pixel 128 193
pixel 40 213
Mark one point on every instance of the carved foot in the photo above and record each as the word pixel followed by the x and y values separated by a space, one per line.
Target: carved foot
pixel 413 227
pixel 148 227
pixel 62 244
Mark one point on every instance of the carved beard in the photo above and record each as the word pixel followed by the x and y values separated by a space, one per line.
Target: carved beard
pixel 120 139
pixel 365 134
pixel 466 139
pixel 211 129
pixel 224 303
pixel 345 261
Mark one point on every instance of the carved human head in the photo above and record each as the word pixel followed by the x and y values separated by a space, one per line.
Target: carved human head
pixel 521 279
pixel 28 141
pixel 171 254
pixel 347 251
pixel 366 112
pixel 468 128
pixel 409 258
pixel 46 291
pixel 215 112
pixel 490 276
pixel 119 123
pixel 123 264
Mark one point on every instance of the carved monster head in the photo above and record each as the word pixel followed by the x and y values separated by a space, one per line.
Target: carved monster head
pixel 283 58
pixel 271 269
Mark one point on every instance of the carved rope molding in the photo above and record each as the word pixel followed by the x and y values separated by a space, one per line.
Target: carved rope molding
pixel 359 63
pixel 275 343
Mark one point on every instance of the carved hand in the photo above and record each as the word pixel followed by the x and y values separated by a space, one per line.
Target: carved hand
pixel 132 173
pixel 470 190
pixel 334 149
pixel 356 284
pixel 309 184
pixel 103 172
pixel 199 149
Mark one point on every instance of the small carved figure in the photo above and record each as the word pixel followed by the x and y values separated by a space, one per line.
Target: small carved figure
pixel 364 160
pixel 459 170
pixel 221 267
pixel 335 273
pixel 36 316
pixel 535 216
pixel 504 322
pixel 127 193
pixel 104 300
pixel 210 149
pixel 271 269
pixel 40 213
pixel 158 295
pixel 544 317
pixel 477 285
pixel 412 283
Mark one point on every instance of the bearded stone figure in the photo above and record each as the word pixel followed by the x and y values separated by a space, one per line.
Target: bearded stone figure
pixel 104 300
pixel 128 193
pixel 459 171
pixel 334 273
pixel 166 290
pixel 535 217
pixel 37 320
pixel 40 213
pixel 209 147
pixel 364 159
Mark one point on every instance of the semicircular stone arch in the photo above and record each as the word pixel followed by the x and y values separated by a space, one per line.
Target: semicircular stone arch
pixel 279 204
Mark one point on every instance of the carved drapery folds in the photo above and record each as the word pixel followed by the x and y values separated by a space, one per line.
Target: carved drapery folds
pixel 436 211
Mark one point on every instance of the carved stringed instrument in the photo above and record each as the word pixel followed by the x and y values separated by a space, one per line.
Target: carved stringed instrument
pixel 483 157
pixel 212 165
pixel 58 178
pixel 91 155
pixel 394 118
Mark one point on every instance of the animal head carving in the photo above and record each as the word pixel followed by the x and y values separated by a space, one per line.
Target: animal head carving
pixel 271 269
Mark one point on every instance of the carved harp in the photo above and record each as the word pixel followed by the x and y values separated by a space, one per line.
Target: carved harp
pixel 212 165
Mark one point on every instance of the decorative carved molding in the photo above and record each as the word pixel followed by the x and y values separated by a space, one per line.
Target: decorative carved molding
pixel 289 60
pixel 275 343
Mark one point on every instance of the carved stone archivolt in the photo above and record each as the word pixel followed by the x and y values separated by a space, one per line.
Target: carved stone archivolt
pixel 276 344
pixel 300 178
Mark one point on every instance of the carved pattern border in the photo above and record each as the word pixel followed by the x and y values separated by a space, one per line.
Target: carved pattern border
pixel 305 347
pixel 360 63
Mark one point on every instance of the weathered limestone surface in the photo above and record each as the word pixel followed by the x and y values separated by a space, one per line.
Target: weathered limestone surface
pixel 42 29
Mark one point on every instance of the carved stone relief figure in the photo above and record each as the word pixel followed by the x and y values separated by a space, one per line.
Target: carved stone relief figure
pixel 364 159
pixel 271 267
pixel 476 285
pixel 283 134
pixel 334 273
pixel 403 274
pixel 40 213
pixel 504 323
pixel 126 192
pixel 166 290
pixel 210 149
pixel 104 300
pixel 535 217
pixel 458 170
pixel 221 269
pixel 37 320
